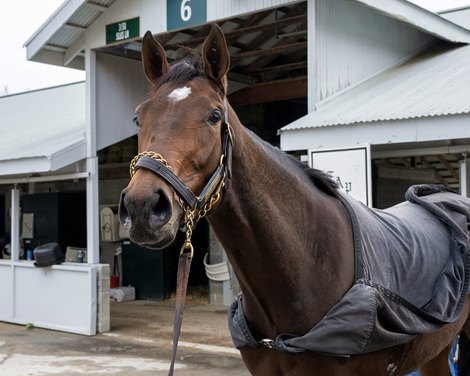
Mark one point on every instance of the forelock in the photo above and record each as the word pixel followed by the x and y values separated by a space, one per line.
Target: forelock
pixel 182 71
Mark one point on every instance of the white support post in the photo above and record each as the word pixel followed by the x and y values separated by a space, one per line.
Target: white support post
pixel 311 55
pixel 92 186
pixel 15 224
pixel 465 177
pixel 92 211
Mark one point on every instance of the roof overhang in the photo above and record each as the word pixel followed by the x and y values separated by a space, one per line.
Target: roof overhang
pixel 43 131
pixel 443 129
pixel 60 40
pixel 422 19
pixel 47 163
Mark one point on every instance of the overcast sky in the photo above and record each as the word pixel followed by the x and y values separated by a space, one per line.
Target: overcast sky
pixel 21 18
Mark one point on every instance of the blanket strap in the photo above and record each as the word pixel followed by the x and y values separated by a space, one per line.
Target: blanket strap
pixel 359 271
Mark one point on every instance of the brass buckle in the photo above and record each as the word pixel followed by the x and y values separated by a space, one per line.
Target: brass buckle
pixel 229 131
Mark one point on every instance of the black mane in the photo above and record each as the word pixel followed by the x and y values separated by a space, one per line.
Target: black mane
pixel 320 178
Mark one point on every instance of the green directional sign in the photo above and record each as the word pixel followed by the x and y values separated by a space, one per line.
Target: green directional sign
pixel 123 30
pixel 184 13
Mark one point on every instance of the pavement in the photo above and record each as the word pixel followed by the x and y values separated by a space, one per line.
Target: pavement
pixel 139 343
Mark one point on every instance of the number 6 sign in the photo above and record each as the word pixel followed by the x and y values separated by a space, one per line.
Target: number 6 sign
pixel 184 13
pixel 185 10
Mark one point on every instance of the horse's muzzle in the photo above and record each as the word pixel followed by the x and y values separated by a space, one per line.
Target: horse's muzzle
pixel 147 217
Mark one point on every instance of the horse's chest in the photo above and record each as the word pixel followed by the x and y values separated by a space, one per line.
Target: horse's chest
pixel 263 362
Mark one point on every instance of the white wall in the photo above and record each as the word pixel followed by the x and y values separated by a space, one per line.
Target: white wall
pixel 152 15
pixel 120 86
pixel 353 43
pixel 61 297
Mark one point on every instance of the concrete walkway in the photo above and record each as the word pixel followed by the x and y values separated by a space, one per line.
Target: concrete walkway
pixel 139 343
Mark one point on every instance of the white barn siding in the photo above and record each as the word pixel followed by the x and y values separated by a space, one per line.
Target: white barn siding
pixel 120 86
pixel 152 14
pixel 354 43
pixel 217 9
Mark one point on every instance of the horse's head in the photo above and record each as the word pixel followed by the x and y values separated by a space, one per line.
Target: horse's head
pixel 179 130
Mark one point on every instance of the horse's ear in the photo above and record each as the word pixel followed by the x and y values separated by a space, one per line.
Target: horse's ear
pixel 153 58
pixel 215 54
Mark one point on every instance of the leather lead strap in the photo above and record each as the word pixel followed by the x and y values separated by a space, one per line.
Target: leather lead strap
pixel 184 265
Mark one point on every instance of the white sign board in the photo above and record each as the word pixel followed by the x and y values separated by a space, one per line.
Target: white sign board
pixel 349 167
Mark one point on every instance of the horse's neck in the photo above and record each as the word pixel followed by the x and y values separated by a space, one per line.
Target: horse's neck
pixel 289 243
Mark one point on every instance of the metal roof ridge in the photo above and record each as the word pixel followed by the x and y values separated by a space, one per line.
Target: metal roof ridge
pixel 42 89
pixel 434 24
pixel 365 121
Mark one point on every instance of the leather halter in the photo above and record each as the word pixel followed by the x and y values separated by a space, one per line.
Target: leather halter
pixel 154 162
pixel 194 207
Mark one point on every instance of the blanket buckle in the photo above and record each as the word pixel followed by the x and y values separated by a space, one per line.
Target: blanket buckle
pixel 269 343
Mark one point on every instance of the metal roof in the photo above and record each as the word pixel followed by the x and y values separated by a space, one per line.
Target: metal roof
pixel 60 39
pixel 42 130
pixel 434 83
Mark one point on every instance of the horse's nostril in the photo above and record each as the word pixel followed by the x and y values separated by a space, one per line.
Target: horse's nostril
pixel 149 211
pixel 124 217
pixel 160 208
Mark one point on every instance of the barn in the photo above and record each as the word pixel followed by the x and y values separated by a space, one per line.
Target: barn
pixel 373 91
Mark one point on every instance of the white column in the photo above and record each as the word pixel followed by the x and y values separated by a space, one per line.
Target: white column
pixel 465 177
pixel 311 55
pixel 15 224
pixel 92 187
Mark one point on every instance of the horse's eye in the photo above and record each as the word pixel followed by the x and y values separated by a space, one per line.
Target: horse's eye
pixel 136 121
pixel 214 118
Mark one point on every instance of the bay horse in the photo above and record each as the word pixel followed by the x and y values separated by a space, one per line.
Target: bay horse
pixel 285 232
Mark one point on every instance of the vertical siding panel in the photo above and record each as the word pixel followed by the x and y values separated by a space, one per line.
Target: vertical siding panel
pixel 354 43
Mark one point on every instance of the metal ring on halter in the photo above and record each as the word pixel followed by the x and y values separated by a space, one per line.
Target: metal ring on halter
pixel 187 245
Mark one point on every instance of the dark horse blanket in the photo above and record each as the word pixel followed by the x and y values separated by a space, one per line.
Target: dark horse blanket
pixel 412 273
